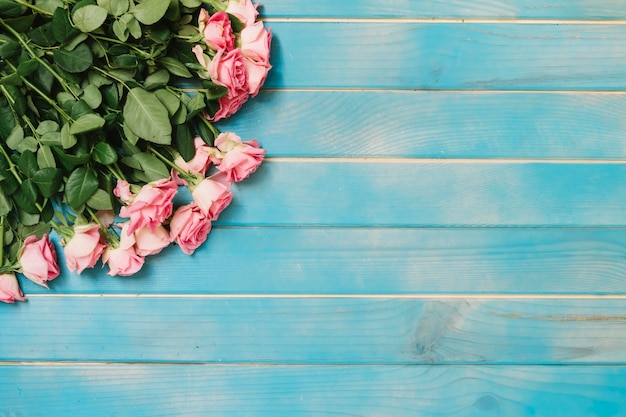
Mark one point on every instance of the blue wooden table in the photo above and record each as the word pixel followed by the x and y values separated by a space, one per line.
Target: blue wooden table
pixel 439 229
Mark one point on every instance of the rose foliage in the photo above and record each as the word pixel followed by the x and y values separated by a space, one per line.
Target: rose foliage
pixel 106 111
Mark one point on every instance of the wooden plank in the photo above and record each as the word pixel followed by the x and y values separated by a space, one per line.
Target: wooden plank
pixel 448 56
pixel 405 192
pixel 375 261
pixel 498 9
pixel 306 330
pixel 435 124
pixel 168 390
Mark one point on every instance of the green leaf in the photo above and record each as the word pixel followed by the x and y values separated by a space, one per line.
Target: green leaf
pixel 101 200
pixel 132 24
pixel 48 180
pixel 92 96
pixel 195 106
pixel 80 186
pixel 26 197
pixel 89 18
pixel 10 8
pixel 5 207
pixel 49 5
pixel 147 117
pixel 80 108
pixel 62 28
pixel 45 157
pixel 115 7
pixel 205 133
pixel 47 126
pixel 25 68
pixel 111 96
pixel 86 123
pixel 191 4
pixel 157 79
pixel 67 139
pixel 38 229
pixel 152 167
pixel 9 48
pixel 175 67
pixel 16 98
pixel 120 29
pixel 169 100
pixel 28 144
pixel 149 12
pixel 42 35
pixel 184 142
pixel 104 153
pixel 16 136
pixel 21 24
pixel 75 61
pixel 27 163
pixel 51 139
pixel 214 91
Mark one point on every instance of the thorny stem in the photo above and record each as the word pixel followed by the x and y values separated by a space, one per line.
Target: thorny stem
pixel 1 241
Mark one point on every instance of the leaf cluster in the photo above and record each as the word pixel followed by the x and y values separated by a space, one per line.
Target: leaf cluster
pixel 87 88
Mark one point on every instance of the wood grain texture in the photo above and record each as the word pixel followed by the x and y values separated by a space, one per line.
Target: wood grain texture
pixel 169 390
pixel 435 124
pixel 499 9
pixel 317 330
pixel 425 193
pixel 337 260
pixel 472 56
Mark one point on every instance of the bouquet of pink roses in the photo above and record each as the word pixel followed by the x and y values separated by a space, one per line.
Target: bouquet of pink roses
pixel 97 135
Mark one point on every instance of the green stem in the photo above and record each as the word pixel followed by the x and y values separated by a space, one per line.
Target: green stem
pixel 208 124
pixel 113 40
pixel 32 53
pixel 11 164
pixel 113 77
pixel 33 7
pixel 169 163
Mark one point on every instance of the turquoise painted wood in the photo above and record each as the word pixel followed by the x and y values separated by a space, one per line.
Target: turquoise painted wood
pixel 320 331
pixel 200 390
pixel 381 260
pixel 418 193
pixel 427 9
pixel 440 229
pixel 436 124
pixel 448 56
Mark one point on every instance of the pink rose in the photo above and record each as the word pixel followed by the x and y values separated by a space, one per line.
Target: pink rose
pixel 212 197
pixel 84 249
pixel 243 10
pixel 122 191
pixel 217 30
pixel 151 206
pixel 196 165
pixel 10 289
pixel 189 228
pixel 229 70
pixel 257 73
pixel 39 260
pixel 240 158
pixel 123 259
pixel 255 42
pixel 151 242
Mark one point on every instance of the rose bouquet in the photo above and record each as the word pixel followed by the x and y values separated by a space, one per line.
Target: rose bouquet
pixel 106 111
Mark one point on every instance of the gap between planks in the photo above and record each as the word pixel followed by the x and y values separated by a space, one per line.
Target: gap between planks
pixel 416 160
pixel 443 20
pixel 351 296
